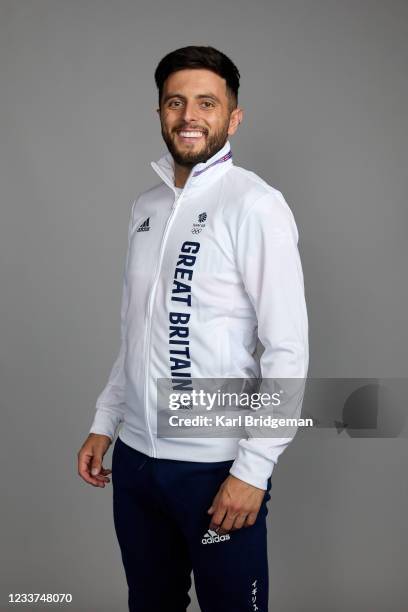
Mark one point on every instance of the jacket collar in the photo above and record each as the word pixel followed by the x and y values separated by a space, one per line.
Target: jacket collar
pixel 201 175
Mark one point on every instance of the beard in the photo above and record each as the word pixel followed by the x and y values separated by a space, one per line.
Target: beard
pixel 188 158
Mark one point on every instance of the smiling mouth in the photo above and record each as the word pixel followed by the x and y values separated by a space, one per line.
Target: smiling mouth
pixel 190 135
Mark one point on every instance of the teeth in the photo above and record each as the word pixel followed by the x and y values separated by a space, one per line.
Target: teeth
pixel 190 134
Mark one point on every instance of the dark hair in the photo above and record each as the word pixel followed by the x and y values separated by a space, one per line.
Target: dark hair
pixel 199 57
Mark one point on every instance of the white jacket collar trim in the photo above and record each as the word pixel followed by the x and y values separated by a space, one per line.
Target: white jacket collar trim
pixel 201 174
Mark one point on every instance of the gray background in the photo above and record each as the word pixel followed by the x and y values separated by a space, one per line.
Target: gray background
pixel 324 91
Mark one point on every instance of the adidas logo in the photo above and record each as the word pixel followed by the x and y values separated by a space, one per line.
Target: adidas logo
pixel 144 227
pixel 211 537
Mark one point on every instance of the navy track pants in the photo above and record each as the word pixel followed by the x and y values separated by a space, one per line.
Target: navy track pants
pixel 161 522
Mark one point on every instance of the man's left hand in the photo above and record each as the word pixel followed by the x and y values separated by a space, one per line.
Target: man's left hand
pixel 236 505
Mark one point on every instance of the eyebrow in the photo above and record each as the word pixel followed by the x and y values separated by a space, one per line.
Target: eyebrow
pixel 198 97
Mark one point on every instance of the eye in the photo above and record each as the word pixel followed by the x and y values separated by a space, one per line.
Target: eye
pixel 177 103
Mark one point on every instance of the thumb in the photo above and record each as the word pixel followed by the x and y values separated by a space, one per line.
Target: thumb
pixel 210 510
pixel 96 466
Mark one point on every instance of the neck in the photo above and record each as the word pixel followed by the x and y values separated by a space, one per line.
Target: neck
pixel 181 174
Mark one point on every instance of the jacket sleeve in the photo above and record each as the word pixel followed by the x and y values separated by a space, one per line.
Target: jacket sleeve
pixel 269 262
pixel 110 405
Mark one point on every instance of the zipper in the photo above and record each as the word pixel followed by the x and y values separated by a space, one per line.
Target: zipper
pixel 151 299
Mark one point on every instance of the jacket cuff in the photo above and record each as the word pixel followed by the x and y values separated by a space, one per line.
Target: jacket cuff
pixel 252 468
pixel 105 422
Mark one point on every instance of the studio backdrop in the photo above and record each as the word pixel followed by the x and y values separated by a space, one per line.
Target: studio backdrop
pixel 324 92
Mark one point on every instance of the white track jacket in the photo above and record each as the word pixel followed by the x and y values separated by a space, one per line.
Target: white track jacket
pixel 246 283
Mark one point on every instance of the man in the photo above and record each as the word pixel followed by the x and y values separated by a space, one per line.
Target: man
pixel 212 264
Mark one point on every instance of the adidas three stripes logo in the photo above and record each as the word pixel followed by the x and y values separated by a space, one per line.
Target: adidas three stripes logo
pixel 144 227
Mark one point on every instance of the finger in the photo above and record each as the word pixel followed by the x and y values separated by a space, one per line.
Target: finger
pixel 213 506
pixel 239 522
pixel 102 478
pixel 217 518
pixel 227 523
pixel 250 519
pixel 104 472
pixel 96 464
pixel 84 460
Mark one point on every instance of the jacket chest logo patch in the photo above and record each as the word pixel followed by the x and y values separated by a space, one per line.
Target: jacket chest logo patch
pixel 144 227
pixel 198 227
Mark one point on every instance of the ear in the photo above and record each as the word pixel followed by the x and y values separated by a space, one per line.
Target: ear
pixel 236 118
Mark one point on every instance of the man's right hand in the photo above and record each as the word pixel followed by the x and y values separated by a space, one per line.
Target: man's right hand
pixel 90 458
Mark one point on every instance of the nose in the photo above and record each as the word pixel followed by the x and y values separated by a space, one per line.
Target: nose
pixel 189 112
